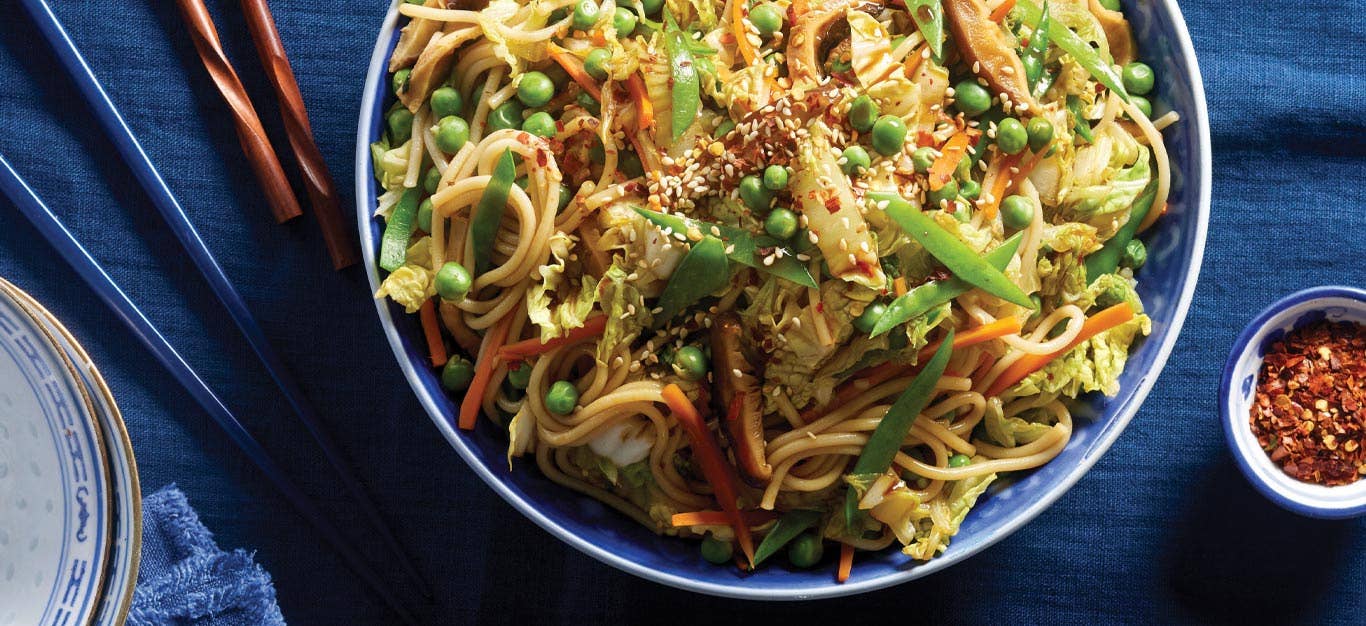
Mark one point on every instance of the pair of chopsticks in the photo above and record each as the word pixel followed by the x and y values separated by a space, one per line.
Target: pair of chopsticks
pixel 166 203
pixel 252 135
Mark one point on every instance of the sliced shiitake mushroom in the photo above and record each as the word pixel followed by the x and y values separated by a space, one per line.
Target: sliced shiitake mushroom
pixel 985 48
pixel 739 400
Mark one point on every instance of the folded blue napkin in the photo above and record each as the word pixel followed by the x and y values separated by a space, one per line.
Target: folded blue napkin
pixel 186 579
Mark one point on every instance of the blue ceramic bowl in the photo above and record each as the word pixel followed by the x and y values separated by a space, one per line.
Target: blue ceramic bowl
pixel 1167 282
pixel 1238 389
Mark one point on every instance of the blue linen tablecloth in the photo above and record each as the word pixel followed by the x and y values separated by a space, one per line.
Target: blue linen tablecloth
pixel 1163 528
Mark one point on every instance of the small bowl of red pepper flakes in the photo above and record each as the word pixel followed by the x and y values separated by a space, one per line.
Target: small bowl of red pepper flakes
pixel 1293 400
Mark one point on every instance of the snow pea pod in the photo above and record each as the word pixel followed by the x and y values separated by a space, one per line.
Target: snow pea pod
pixel 933 294
pixel 687 86
pixel 784 531
pixel 489 212
pixel 1072 43
pixel 890 433
pixel 398 229
pixel 1106 259
pixel 743 247
pixel 963 261
pixel 929 19
pixel 702 272
pixel 1034 53
pixel 1082 127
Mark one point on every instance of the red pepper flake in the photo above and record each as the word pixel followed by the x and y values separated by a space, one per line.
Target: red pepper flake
pixel 1309 414
pixel 832 204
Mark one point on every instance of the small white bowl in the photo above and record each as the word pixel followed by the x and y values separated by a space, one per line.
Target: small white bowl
pixel 1337 304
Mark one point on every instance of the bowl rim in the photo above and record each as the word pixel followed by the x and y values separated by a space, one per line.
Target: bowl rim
pixel 1247 457
pixel 1200 213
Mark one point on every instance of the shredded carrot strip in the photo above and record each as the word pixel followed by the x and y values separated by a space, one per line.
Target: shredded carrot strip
pixel 483 372
pixel 899 286
pixel 976 335
pixel 645 110
pixel 846 562
pixel 868 378
pixel 984 365
pixel 574 67
pixel 737 25
pixel 592 327
pixel 941 171
pixel 1001 10
pixel 720 518
pixel 1030 363
pixel 712 461
pixel 435 346
pixel 999 185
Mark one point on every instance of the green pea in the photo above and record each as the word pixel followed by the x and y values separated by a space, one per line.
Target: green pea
pixel 923 158
pixel 947 193
pixel 871 313
pixel 585 100
pixel 453 281
pixel 959 460
pixel 969 189
pixel 1138 78
pixel 753 193
pixel 561 398
pixel 400 81
pixel 806 550
pixel 447 101
pixel 457 374
pixel 424 215
pixel 508 115
pixel 624 21
pixel 690 363
pixel 1040 132
pixel 1011 136
pixel 596 63
pixel 716 551
pixel 767 19
pixel 1017 212
pixel 400 121
pixel 585 15
pixel 1143 104
pixel 566 196
pixel 1113 5
pixel 775 177
pixel 971 98
pixel 519 377
pixel 651 7
pixel 781 224
pixel 1135 255
pixel 540 124
pixel 451 134
pixel 854 160
pixel 863 114
pixel 535 89
pixel 431 179
pixel 889 134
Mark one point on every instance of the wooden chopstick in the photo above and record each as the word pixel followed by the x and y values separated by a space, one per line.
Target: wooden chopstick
pixel 123 307
pixel 252 135
pixel 322 193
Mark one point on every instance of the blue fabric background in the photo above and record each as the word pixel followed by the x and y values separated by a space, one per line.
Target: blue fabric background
pixel 1163 528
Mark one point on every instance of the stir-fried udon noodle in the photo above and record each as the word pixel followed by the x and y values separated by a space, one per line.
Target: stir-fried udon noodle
pixel 776 275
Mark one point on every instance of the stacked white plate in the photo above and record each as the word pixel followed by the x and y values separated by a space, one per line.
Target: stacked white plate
pixel 70 504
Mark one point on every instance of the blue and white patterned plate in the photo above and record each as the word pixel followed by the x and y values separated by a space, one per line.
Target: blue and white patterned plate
pixel 125 551
pixel 54 483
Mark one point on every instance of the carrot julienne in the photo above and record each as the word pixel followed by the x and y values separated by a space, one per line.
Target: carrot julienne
pixel 574 67
pixel 1030 363
pixel 1001 10
pixel 521 350
pixel 737 18
pixel 999 186
pixel 715 468
pixel 846 562
pixel 435 346
pixel 720 518
pixel 899 285
pixel 483 372
pixel 941 171
pixel 645 110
